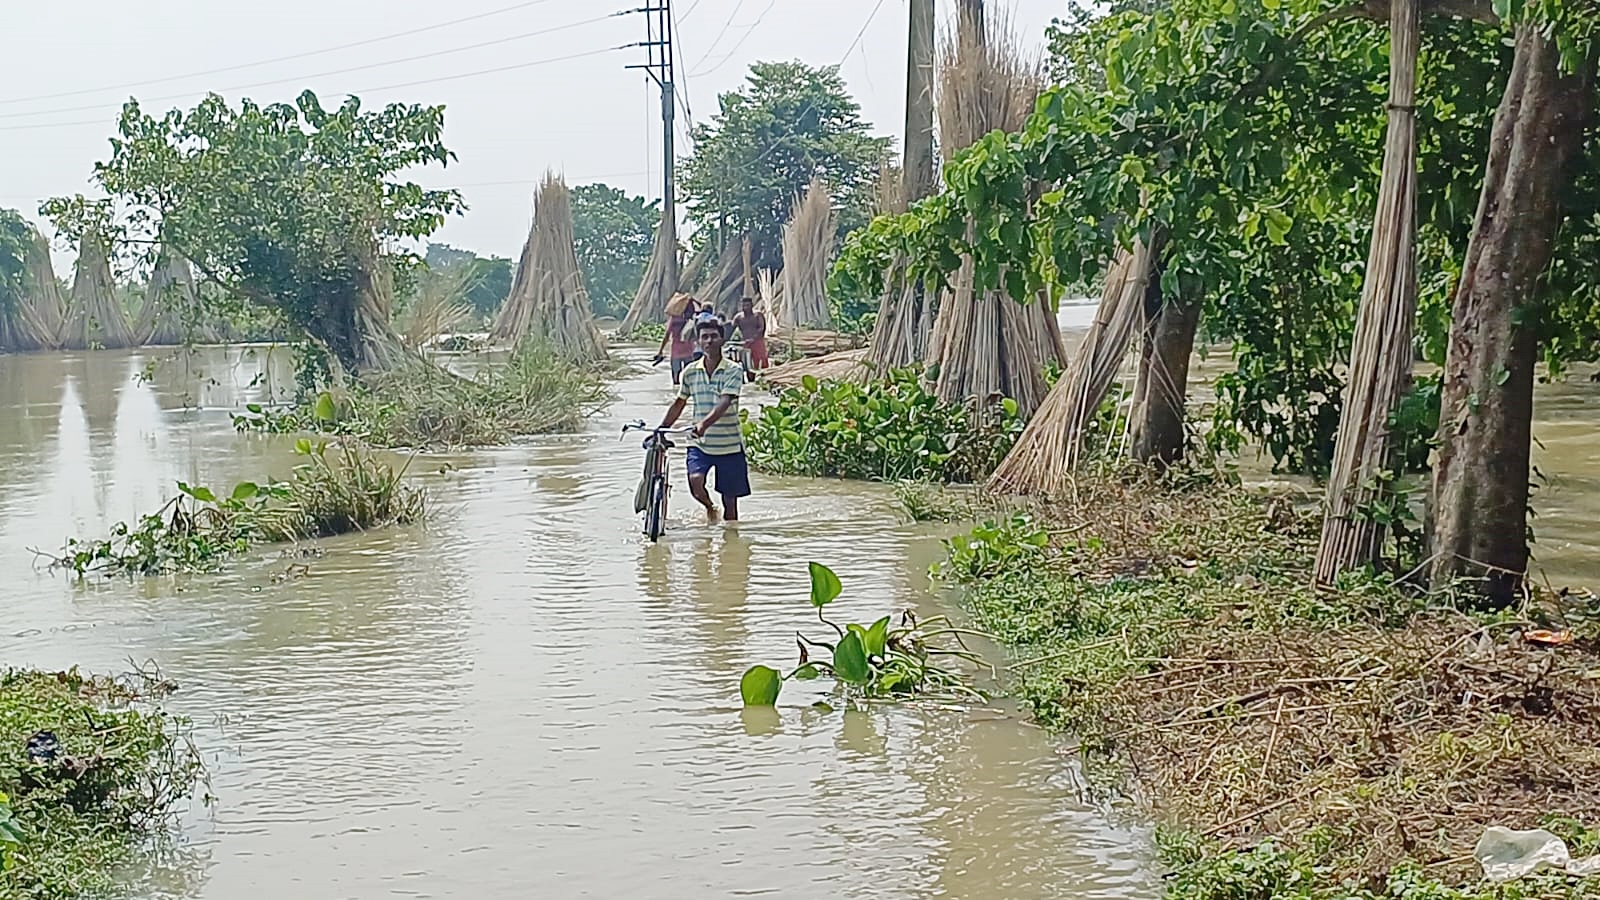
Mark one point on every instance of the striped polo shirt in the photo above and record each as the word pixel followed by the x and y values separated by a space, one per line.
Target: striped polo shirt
pixel 702 390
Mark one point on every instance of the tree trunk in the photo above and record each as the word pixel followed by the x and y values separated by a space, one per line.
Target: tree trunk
pixel 1159 413
pixel 1480 482
pixel 1381 353
pixel 353 325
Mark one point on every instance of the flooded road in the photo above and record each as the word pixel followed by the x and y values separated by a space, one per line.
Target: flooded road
pixel 521 698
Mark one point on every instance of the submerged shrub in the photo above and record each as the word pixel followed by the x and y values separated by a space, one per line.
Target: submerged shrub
pixel 535 391
pixel 892 430
pixel 90 772
pixel 346 490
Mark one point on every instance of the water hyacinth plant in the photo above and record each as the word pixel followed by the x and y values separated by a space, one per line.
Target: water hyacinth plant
pixel 876 662
pixel 892 430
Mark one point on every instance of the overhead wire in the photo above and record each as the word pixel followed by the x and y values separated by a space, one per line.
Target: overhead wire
pixel 747 32
pixel 712 47
pixel 386 87
pixel 278 59
pixel 345 71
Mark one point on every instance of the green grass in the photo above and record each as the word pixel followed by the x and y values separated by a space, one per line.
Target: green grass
pixel 1287 742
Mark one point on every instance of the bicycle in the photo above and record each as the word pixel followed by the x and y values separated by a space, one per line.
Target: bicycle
pixel 651 496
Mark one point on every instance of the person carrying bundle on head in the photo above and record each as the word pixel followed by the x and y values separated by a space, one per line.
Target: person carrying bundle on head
pixel 681 311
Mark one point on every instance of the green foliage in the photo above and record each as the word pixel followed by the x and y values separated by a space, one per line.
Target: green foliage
pixel 15 237
pixel 891 430
pixel 761 149
pixel 649 333
pixel 198 530
pixel 1247 135
pixel 991 548
pixel 488 283
pixel 613 234
pixel 290 205
pixel 425 407
pixel 869 662
pixel 70 820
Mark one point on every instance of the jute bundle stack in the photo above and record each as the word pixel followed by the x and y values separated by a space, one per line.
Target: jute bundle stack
pixel 548 300
pixel 807 250
pixel 94 318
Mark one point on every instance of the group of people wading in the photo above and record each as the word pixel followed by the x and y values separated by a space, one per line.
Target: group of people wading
pixel 709 386
pixel 684 315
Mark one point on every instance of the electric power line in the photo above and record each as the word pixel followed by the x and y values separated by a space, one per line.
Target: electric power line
pixel 718 39
pixel 344 71
pixel 370 90
pixel 278 59
pixel 747 32
pixel 862 33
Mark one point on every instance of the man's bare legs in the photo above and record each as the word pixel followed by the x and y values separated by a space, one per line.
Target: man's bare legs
pixel 730 509
pixel 697 488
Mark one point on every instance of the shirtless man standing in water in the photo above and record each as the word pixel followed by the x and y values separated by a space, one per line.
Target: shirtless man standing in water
pixel 752 328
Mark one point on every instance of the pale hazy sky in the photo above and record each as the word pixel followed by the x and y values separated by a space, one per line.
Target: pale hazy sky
pixel 69 64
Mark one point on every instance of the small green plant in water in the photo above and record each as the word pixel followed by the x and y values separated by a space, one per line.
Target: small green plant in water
pixel 199 529
pixel 880 661
pixel 991 548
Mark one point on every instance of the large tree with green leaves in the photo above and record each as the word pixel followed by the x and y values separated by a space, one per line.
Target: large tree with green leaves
pixel 295 207
pixel 753 160
pixel 613 233
pixel 1246 134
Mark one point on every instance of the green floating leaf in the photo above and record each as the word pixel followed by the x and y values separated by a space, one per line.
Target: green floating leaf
pixel 825 586
pixel 877 637
pixel 807 672
pixel 850 660
pixel 760 686
pixel 244 490
pixel 324 410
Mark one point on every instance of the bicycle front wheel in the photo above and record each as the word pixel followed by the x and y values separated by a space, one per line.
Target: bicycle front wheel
pixel 655 516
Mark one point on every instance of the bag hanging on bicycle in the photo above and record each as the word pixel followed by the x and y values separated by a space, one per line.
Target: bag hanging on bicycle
pixel 641 496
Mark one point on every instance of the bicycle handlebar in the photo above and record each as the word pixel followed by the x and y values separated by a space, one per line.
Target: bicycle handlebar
pixel 639 425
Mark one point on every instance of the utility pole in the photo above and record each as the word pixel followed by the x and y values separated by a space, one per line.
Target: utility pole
pixel 661 277
pixel 916 168
pixel 658 46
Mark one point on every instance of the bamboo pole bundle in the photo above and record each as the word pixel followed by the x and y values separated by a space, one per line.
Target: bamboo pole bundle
pixel 44 291
pixel 769 294
pixel 22 328
pixel 1048 449
pixel 983 342
pixel 172 313
pixel 94 318
pixel 660 282
pixel 1381 354
pixel 721 282
pixel 548 300
pixel 903 327
pixel 807 246
pixel 441 307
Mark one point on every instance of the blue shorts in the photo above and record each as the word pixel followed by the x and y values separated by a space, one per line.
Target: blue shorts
pixel 733 473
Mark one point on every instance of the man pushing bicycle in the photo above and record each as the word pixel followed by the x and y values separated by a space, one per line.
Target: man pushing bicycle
pixel 713 383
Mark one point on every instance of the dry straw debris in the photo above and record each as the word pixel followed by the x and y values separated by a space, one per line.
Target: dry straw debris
pixel 1175 634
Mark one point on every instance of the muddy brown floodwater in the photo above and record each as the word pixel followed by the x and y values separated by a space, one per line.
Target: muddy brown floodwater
pixel 522 698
